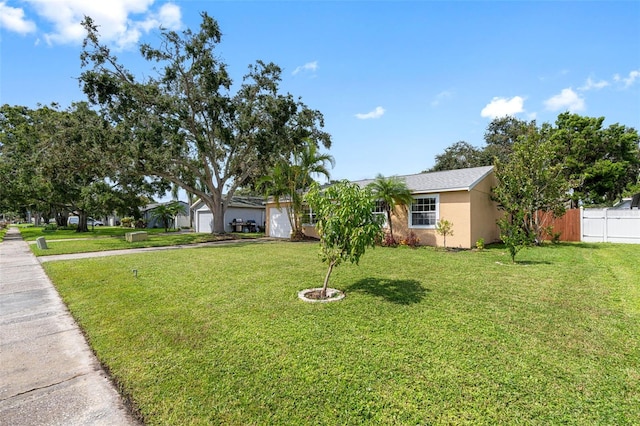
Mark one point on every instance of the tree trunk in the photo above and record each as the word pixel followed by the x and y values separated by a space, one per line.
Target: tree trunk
pixel 218 211
pixel 82 222
pixel 390 224
pixel 323 293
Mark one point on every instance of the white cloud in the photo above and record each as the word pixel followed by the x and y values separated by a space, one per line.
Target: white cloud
pixel 590 84
pixel 628 81
pixel 13 19
pixel 376 113
pixel 501 107
pixel 309 66
pixel 567 99
pixel 442 96
pixel 121 22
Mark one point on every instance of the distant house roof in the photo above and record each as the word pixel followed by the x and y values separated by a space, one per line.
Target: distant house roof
pixel 446 181
pixel 236 201
pixel 152 206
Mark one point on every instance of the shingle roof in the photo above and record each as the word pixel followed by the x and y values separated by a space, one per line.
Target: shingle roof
pixel 450 180
pixel 236 201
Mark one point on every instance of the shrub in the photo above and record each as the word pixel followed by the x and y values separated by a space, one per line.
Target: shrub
pixel 480 244
pixel 50 227
pixel 125 222
pixel 411 240
pixel 389 241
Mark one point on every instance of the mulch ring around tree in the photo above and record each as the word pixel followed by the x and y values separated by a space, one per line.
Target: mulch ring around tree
pixel 313 295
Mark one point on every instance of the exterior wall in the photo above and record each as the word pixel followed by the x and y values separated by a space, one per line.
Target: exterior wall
pixel 452 206
pixel 284 227
pixel 484 213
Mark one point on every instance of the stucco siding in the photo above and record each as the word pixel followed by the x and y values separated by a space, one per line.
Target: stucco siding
pixel 484 213
pixel 454 207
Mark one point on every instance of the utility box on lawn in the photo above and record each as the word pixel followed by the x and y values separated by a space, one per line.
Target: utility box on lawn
pixel 136 236
pixel 42 243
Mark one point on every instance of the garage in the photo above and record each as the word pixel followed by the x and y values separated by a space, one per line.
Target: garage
pixel 243 209
pixel 204 221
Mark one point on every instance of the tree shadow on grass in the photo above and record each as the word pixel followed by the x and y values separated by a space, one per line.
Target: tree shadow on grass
pixel 402 292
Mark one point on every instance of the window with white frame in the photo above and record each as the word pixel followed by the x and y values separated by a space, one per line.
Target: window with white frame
pixel 424 212
pixel 308 216
pixel 379 209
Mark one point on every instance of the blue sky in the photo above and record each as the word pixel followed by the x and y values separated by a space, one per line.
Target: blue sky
pixel 397 82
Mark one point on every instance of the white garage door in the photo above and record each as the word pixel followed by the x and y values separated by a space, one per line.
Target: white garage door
pixel 279 226
pixel 205 222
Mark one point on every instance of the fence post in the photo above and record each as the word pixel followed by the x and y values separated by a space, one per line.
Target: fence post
pixel 605 231
pixel 581 224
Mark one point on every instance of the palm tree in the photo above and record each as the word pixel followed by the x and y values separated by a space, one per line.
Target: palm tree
pixel 391 192
pixel 163 214
pixel 167 213
pixel 290 179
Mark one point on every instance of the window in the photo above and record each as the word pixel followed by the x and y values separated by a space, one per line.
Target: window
pixel 379 209
pixel 308 216
pixel 424 212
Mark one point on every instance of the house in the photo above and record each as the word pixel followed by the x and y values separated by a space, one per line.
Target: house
pixel 182 220
pixel 463 197
pixel 241 209
pixel 628 203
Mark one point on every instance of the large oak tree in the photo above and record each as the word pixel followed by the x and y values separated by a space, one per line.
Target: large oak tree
pixel 187 125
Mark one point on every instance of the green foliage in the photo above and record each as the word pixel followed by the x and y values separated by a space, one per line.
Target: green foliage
pixel 444 228
pixel 189 124
pixel 531 182
pixel 514 234
pixel 461 155
pixel 345 223
pixel 50 227
pixel 601 163
pixel 166 213
pixel 290 179
pixel 391 192
pixel 480 244
pixel 59 161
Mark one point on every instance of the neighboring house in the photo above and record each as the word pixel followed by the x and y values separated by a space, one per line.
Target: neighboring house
pixel 463 197
pixel 182 220
pixel 241 208
pixel 628 203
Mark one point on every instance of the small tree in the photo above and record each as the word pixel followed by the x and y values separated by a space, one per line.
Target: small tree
pixel 345 222
pixel 164 214
pixel 514 234
pixel 176 208
pixel 444 228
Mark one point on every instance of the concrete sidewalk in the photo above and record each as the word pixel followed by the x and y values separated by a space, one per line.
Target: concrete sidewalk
pixel 48 374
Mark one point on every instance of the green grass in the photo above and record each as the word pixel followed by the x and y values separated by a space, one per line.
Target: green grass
pixel 30 233
pixel 112 238
pixel 216 335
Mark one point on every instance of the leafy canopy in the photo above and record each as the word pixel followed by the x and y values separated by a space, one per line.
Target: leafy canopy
pixel 391 192
pixel 345 222
pixel 186 125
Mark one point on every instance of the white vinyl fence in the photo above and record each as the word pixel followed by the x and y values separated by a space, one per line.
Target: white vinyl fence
pixel 610 226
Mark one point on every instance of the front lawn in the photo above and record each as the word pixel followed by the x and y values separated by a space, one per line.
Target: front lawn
pixel 113 238
pixel 217 335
